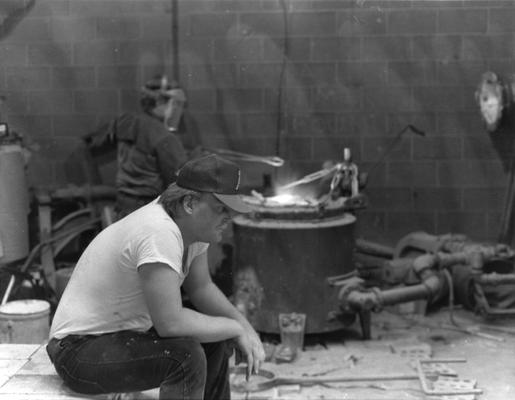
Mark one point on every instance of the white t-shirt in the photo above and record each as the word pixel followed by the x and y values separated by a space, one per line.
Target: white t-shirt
pixel 104 293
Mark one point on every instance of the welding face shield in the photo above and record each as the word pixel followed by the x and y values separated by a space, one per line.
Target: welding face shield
pixel 174 108
pixel 164 100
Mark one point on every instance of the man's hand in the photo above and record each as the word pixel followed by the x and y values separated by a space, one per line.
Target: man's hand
pixel 250 345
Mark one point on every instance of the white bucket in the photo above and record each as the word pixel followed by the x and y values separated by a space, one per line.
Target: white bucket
pixel 24 321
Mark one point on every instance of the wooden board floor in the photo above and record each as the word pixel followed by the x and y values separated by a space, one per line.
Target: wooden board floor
pixel 26 372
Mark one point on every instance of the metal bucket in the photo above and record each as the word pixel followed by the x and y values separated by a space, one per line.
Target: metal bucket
pixel 290 261
pixel 24 321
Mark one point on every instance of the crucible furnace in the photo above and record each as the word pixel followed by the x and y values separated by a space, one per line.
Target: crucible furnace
pixel 286 261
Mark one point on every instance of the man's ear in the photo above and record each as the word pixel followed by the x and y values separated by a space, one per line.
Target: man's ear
pixel 188 203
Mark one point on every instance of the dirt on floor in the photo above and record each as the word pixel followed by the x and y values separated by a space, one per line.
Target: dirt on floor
pixel 456 353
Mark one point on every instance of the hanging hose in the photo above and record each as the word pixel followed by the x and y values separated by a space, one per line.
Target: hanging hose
pixel 274 161
pixel 35 251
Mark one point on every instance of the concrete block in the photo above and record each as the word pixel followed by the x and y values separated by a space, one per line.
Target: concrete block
pixel 31 126
pixel 412 21
pixel 399 223
pixel 331 98
pixel 297 148
pixel 313 23
pixel 461 20
pixel 375 148
pixel 386 199
pixel 483 199
pixel 254 75
pixel 361 22
pixel 45 102
pixel 123 76
pixel 369 123
pixel 472 223
pixel 27 78
pixel 501 19
pixel 41 171
pixel 412 73
pixel 96 52
pixel 212 24
pixel 72 28
pixel 141 53
pixel 50 8
pixel 379 48
pixel 72 77
pixel 438 98
pixel 14 54
pixel 246 49
pixel 439 198
pixel 454 122
pixel 114 27
pixel 202 100
pixel 312 75
pixel 430 47
pixel 480 148
pixel 31 31
pixel 91 101
pixel 401 174
pixel 331 148
pixel 155 26
pixel 268 23
pixel 470 173
pixel 258 125
pixel 362 73
pixel 438 148
pixel 242 100
pixel 335 49
pixel 298 49
pixel 391 99
pixel 491 46
pixel 73 125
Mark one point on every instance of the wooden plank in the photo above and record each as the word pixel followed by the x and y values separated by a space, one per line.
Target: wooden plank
pixel 32 384
pixel 11 367
pixel 17 351
pixel 39 364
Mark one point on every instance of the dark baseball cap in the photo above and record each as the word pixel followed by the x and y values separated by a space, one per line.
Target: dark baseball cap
pixel 216 175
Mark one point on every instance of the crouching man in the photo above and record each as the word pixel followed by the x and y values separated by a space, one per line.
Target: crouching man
pixel 121 326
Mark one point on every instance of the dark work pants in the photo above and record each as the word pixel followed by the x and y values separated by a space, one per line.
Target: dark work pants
pixel 129 361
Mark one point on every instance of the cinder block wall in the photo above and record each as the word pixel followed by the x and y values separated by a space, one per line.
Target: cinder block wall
pixel 299 78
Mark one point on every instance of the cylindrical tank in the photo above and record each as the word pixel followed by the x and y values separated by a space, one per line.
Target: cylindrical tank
pixel 14 205
pixel 291 260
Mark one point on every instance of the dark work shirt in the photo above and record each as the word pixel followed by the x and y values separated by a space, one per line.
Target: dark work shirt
pixel 148 154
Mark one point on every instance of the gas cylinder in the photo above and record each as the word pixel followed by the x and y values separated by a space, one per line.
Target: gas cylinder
pixel 14 204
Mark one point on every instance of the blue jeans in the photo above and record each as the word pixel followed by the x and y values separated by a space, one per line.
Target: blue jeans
pixel 129 361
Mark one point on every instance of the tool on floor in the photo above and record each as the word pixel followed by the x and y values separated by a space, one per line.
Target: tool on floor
pixel 266 380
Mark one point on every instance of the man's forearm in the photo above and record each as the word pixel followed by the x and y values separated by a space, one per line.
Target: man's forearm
pixel 210 300
pixel 204 328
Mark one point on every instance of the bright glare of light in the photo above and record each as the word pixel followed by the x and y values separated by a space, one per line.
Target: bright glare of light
pixel 285 198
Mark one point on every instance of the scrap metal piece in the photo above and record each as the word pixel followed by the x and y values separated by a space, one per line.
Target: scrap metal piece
pixel 445 386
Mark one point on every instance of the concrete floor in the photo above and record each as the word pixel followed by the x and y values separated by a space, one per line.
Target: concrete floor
pixel 487 352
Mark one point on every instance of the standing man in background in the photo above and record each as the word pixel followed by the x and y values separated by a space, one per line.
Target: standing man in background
pixel 149 152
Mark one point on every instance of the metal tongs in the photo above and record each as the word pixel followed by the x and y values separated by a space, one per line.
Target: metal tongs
pixel 312 177
pixel 274 161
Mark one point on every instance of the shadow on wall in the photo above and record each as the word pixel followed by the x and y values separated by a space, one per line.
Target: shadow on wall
pixel 12 14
